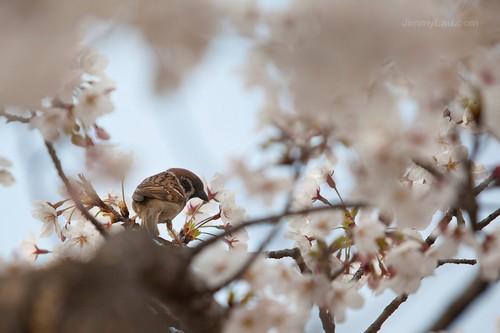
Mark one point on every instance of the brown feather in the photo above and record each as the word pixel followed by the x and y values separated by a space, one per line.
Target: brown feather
pixel 159 198
pixel 162 186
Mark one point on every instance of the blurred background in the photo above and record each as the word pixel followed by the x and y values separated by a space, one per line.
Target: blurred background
pixel 209 119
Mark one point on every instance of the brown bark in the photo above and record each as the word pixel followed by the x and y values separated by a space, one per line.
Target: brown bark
pixel 132 285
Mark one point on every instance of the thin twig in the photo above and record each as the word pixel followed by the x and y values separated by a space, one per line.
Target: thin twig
pixel 484 184
pixel 292 253
pixel 280 254
pixel 240 272
pixel 339 271
pixel 79 205
pixel 450 213
pixel 270 219
pixel 98 202
pixel 388 311
pixel 249 262
pixel 457 262
pixel 327 320
pixel 488 219
pixel 359 273
pixel 429 168
pixel 12 117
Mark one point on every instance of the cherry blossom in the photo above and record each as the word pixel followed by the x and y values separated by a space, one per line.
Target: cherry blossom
pixel 366 233
pixel 47 214
pixel 216 186
pixel 52 122
pixel 216 264
pixel 94 102
pixel 322 223
pixel 342 296
pixel 230 211
pixel 82 242
pixel 489 256
pixel 248 320
pixel 409 265
pixel 30 248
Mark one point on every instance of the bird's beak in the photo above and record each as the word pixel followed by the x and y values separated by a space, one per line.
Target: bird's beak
pixel 203 196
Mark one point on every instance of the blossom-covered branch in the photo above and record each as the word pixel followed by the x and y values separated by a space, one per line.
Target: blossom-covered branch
pixel 72 192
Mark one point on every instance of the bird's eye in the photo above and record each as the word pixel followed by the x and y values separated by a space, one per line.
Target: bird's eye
pixel 187 185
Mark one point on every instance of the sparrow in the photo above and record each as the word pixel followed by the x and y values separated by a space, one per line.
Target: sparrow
pixel 161 197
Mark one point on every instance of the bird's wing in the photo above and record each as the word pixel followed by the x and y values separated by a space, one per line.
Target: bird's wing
pixel 163 186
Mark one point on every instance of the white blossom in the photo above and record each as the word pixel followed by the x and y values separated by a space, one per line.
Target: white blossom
pixel 47 214
pixel 366 233
pixel 51 123
pixel 94 102
pixel 82 242
pixel 216 186
pixel 30 248
pixel 409 265
pixel 489 256
pixel 322 223
pixel 216 264
pixel 342 296
pixel 230 211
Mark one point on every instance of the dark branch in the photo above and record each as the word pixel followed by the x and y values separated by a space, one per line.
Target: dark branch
pixel 488 219
pixel 388 311
pixel 457 262
pixel 292 253
pixel 12 117
pixel 98 202
pixel 359 273
pixel 450 213
pixel 270 219
pixel 458 306
pixel 484 184
pixel 327 321
pixel 339 271
pixel 279 254
pixel 240 272
pixel 430 168
pixel 74 196
pixel 130 286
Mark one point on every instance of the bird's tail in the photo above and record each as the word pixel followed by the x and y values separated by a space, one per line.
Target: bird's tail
pixel 150 223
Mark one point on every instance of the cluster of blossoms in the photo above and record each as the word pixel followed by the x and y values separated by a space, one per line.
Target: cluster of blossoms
pixel 80 239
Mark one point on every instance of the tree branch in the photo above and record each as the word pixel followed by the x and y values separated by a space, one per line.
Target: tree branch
pixel 12 117
pixel 269 219
pixel 457 262
pixel 98 202
pixel 488 219
pixel 130 286
pixel 386 313
pixel 345 265
pixel 327 320
pixel 484 184
pixel 240 272
pixel 450 213
pixel 292 253
pixel 79 205
pixel 458 306
pixel 393 306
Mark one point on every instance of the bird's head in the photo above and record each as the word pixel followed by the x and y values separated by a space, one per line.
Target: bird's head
pixel 192 184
